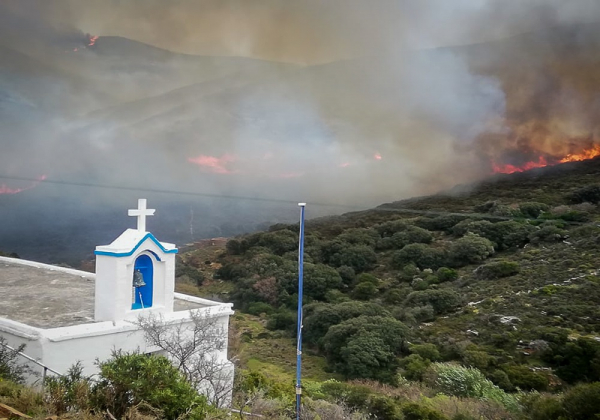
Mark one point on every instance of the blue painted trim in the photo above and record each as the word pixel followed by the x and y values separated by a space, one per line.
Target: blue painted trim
pixel 154 254
pixel 130 253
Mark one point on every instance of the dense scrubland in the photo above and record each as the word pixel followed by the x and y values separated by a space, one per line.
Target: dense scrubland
pixel 479 303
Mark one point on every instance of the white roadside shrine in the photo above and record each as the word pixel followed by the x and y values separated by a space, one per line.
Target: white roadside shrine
pixel 65 315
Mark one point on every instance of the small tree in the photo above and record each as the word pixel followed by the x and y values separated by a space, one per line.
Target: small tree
pixel 193 348
pixel 470 249
pixel 364 291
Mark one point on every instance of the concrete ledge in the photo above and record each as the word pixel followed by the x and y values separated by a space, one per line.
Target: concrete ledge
pixel 85 274
pixel 19 329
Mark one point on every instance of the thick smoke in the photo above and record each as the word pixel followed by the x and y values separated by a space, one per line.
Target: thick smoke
pixel 338 102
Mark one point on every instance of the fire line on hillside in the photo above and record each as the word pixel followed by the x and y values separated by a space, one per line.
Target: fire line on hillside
pixel 543 161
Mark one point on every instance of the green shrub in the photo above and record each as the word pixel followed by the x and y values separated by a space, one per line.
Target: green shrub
pixel 470 249
pixel 574 361
pixel 497 269
pixel 364 291
pixel 469 382
pixel 444 223
pixel 408 272
pixel 414 367
pixel 421 255
pixel 500 378
pixel 477 359
pixel 587 194
pixel 394 296
pixel 525 379
pixel 387 229
pixel 234 247
pixel 257 308
pixel 585 231
pixel 69 392
pixel 383 407
pixel 446 274
pixel 365 347
pixel 354 396
pixel 318 279
pixel 548 233
pixel 415 315
pixel 411 235
pixel 318 318
pixel 279 242
pixel 504 235
pixel 419 284
pixel 131 378
pixel 533 209
pixel 359 236
pixel 485 207
pixel 336 296
pixel 414 411
pixel 441 300
pixel 282 320
pixel 359 257
pixel 10 367
pixel 231 271
pixel 347 274
pixel 582 402
pixel 367 278
pixel 543 407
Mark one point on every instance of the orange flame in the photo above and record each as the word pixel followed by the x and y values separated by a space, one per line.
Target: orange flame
pixel 377 156
pixel 4 189
pixel 585 154
pixel 92 40
pixel 509 169
pixel 214 164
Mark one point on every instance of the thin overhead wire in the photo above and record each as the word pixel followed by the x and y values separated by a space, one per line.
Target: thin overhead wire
pixel 349 208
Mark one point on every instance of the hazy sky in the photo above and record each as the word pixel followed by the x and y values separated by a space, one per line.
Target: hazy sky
pixel 308 31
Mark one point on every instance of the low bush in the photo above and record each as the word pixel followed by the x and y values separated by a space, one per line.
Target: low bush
pixel 497 269
pixel 446 274
pixel 587 194
pixel 426 351
pixel 282 320
pixel 548 233
pixel 470 249
pixel 69 392
pixel 129 379
pixel 414 411
pixel 10 367
pixel 468 382
pixel 364 291
pixel 442 300
pixel 582 402
pixel 421 255
pixel 532 209
pixel 525 379
pixel 257 308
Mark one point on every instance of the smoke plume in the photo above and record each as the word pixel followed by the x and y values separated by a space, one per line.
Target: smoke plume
pixel 339 102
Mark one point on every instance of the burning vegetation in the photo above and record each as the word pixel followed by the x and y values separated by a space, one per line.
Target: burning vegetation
pixel 5 189
pixel 584 154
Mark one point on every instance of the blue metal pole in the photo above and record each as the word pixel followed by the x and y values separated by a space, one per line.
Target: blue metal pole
pixel 300 292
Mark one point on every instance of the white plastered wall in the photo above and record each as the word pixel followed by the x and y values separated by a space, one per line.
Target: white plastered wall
pixel 60 348
pixel 114 277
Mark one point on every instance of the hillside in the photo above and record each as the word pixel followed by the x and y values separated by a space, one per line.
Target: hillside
pixel 119 112
pixel 501 276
